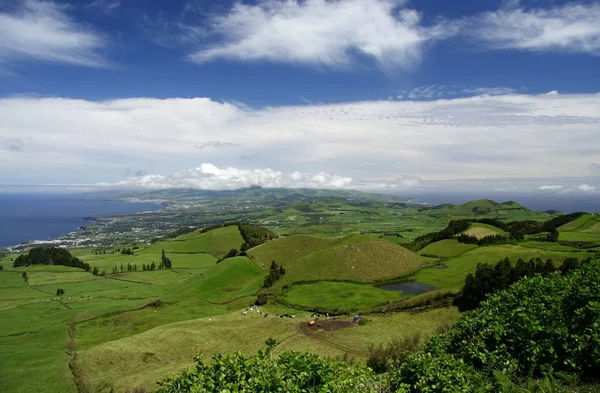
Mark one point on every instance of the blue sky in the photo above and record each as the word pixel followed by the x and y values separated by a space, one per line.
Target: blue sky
pixel 355 93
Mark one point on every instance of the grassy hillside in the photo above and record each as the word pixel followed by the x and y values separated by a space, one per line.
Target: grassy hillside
pixel 286 249
pixel 586 229
pixel 231 279
pixel 216 242
pixel 480 231
pixel 356 258
pixel 446 248
pixel 338 297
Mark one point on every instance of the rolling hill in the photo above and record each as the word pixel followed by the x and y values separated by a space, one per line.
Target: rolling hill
pixel 356 257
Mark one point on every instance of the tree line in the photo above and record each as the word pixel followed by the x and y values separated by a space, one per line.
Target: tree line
pixel 254 235
pixel 493 278
pixel 516 231
pixel 275 273
pixel 50 256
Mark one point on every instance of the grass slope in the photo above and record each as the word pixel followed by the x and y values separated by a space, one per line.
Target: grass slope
pixel 216 242
pixel 356 258
pixel 482 230
pixel 286 249
pixel 586 228
pixel 338 297
pixel 446 248
pixel 231 279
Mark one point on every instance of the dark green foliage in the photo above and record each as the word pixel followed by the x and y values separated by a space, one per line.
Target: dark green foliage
pixel 489 279
pixel 532 227
pixel 275 273
pixel 50 256
pixel 437 373
pixel 540 325
pixel 295 372
pixel 166 262
pixel 1 268
pixel 569 264
pixel 25 276
pixel 261 300
pixel 60 292
pixel 383 358
pixel 127 251
pixel 254 235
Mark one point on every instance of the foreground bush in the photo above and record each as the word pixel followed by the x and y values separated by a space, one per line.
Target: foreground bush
pixel 290 372
pixel 540 327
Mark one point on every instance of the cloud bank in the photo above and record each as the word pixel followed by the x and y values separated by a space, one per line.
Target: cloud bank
pixel 210 177
pixel 43 31
pixel 481 137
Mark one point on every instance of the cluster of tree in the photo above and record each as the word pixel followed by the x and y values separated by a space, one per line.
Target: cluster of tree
pixel 50 256
pixel 165 261
pixel 530 227
pixel 125 268
pixel 60 292
pixel 100 252
pixel 1 268
pixel 232 253
pixel 541 327
pixel 484 241
pixel 516 230
pixel 127 251
pixel 493 278
pixel 275 273
pixel 454 228
pixel 97 272
pixel 254 235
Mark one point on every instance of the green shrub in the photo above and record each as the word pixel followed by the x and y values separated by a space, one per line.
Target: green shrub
pixel 292 372
pixel 437 373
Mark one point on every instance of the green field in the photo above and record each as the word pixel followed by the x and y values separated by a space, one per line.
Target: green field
pixel 480 230
pixel 338 297
pixel 446 248
pixel 459 267
pixel 584 229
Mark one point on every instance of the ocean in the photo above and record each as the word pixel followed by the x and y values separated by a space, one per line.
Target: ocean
pixel 35 216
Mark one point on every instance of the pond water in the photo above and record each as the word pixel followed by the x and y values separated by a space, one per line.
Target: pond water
pixel 409 287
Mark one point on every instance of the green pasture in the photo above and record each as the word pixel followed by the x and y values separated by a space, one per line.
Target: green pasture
pixel 230 279
pixel 338 297
pixel 446 248
pixel 452 277
pixel 480 231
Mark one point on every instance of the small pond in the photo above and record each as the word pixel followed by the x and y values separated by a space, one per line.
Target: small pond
pixel 409 287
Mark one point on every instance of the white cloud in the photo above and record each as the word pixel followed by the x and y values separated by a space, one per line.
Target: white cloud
pixel 210 177
pixel 586 188
pixel 565 28
pixel 390 142
pixel 551 187
pixel 43 31
pixel 320 32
